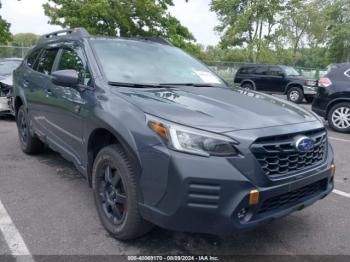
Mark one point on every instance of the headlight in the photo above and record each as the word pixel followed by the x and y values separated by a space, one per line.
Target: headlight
pixel 193 141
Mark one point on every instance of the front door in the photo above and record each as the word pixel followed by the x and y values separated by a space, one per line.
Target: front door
pixel 66 116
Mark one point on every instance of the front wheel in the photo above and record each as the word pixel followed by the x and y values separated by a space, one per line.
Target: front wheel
pixel 339 117
pixel 116 195
pixel 295 94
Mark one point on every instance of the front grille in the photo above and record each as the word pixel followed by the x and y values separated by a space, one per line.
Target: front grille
pixel 293 197
pixel 278 156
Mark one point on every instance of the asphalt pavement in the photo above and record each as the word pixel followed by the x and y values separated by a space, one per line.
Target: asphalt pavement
pixel 50 211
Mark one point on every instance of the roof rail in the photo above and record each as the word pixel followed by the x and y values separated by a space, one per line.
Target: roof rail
pixel 73 33
pixel 156 39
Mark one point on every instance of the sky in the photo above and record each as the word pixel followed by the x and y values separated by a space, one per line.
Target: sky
pixel 28 16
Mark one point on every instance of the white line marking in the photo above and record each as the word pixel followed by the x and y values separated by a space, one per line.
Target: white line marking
pixel 339 139
pixel 12 237
pixel 341 193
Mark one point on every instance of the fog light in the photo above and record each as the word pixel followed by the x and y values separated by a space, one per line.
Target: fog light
pixel 333 169
pixel 253 197
pixel 242 213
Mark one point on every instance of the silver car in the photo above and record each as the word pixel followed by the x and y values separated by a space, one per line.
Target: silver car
pixel 7 66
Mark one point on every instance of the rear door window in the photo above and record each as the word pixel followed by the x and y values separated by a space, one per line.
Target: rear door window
pixel 46 61
pixel 262 70
pixel 246 70
pixel 31 59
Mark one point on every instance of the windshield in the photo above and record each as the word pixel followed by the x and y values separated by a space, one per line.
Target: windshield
pixel 128 61
pixel 290 71
pixel 7 67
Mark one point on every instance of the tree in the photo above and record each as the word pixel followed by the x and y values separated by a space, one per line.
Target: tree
pixel 24 39
pixel 338 16
pixel 5 34
pixel 249 24
pixel 121 18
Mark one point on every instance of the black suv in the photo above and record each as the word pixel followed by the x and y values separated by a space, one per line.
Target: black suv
pixel 276 79
pixel 163 140
pixel 333 97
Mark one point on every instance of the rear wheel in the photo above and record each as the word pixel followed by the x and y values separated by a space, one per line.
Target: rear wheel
pixel 116 194
pixel 309 98
pixel 295 94
pixel 30 144
pixel 339 117
pixel 248 85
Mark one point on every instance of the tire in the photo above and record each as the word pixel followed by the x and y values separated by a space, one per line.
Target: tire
pixel 339 117
pixel 116 195
pixel 29 143
pixel 309 98
pixel 248 85
pixel 295 94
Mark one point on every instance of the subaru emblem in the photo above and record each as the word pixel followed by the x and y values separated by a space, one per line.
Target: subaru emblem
pixel 304 144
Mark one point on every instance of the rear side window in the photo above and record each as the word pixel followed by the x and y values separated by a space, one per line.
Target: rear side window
pixel 262 70
pixel 246 70
pixel 32 58
pixel 46 61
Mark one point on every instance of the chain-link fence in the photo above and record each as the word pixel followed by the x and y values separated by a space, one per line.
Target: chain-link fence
pixel 227 70
pixel 13 51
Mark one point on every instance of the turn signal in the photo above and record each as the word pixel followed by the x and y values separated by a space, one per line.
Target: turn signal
pixel 159 129
pixel 253 197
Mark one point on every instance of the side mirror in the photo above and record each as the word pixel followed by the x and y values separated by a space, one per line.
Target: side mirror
pixel 65 78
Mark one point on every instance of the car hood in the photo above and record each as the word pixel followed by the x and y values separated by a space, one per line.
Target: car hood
pixel 216 109
pixel 6 79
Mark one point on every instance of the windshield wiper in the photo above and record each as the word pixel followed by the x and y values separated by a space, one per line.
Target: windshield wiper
pixel 135 85
pixel 187 84
pixel 162 85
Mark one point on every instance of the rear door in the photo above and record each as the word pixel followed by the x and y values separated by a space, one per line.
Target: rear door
pixel 261 78
pixel 65 115
pixel 35 80
pixel 276 80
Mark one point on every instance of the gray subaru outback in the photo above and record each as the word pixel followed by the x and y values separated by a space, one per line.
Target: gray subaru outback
pixel 162 140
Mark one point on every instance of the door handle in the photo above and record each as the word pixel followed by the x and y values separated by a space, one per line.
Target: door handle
pixel 48 92
pixel 25 83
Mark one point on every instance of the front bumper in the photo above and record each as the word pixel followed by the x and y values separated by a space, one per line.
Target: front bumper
pixel 310 90
pixel 4 106
pixel 208 196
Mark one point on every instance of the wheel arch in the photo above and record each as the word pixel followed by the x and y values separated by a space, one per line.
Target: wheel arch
pixel 293 84
pixel 17 103
pixel 332 103
pixel 248 81
pixel 101 137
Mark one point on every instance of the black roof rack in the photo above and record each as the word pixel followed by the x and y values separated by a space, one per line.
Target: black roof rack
pixel 156 39
pixel 75 33
pixel 79 33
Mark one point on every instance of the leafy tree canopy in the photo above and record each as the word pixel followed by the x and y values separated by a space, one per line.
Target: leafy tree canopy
pixel 24 39
pixel 5 34
pixel 121 18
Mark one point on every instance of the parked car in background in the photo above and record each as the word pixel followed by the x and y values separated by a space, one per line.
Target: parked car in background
pixel 163 140
pixel 333 97
pixel 277 79
pixel 7 66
